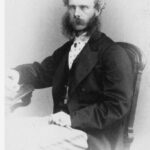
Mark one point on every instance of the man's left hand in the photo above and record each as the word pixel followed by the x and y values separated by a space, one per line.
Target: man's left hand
pixel 61 118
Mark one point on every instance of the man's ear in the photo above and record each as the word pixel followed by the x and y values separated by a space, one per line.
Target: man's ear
pixel 97 12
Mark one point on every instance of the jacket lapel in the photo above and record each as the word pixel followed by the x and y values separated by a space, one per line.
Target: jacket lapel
pixel 85 62
pixel 82 66
pixel 88 58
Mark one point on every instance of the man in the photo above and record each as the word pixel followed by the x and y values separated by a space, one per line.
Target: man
pixel 91 78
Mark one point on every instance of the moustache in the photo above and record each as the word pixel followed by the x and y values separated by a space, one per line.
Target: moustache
pixel 78 21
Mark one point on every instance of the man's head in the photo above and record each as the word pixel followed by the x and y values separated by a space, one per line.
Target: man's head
pixel 81 16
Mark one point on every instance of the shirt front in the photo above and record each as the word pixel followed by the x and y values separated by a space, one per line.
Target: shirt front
pixel 77 47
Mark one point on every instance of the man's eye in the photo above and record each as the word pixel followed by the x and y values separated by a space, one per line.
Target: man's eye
pixel 71 7
pixel 84 7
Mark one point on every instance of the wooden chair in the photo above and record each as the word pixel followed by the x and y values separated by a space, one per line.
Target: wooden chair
pixel 138 64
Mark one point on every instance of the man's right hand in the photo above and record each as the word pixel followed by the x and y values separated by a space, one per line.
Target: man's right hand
pixel 12 82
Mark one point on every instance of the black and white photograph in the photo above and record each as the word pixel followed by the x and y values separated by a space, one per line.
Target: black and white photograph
pixel 77 75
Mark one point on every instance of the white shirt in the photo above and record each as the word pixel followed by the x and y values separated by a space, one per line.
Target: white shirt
pixel 77 47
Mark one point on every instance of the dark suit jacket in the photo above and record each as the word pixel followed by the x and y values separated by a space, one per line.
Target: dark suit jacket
pixel 100 85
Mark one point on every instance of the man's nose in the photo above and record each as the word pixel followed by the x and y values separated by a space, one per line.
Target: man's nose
pixel 77 13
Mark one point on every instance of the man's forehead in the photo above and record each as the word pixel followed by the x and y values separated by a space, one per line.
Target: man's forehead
pixel 81 2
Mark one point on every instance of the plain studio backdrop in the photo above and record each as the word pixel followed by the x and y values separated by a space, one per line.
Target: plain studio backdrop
pixel 33 32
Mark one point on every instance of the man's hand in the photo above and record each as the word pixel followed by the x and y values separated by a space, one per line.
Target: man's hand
pixel 61 118
pixel 12 86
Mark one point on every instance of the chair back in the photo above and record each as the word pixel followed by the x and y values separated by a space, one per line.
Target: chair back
pixel 138 65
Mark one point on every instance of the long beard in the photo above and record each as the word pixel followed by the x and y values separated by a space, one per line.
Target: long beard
pixel 69 31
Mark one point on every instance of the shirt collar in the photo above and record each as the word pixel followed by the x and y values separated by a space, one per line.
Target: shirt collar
pixel 82 38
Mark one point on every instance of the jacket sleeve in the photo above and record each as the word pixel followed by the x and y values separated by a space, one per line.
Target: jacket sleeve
pixel 114 102
pixel 40 75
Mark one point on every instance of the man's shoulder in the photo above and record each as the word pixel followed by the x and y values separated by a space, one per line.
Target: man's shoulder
pixel 100 41
pixel 106 41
